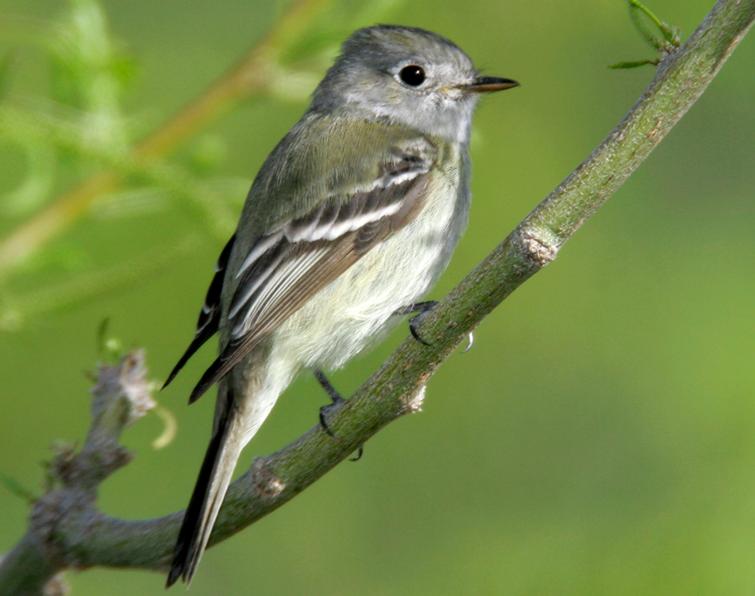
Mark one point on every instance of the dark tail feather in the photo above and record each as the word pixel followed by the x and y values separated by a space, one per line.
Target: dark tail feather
pixel 209 492
pixel 219 368
pixel 193 347
pixel 214 373
pixel 209 317
pixel 231 355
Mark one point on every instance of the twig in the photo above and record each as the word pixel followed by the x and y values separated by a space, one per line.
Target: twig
pixel 670 34
pixel 120 397
pixel 72 533
pixel 252 74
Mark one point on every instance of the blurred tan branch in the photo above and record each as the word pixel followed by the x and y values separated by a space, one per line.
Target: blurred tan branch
pixel 255 72
pixel 67 530
pixel 181 182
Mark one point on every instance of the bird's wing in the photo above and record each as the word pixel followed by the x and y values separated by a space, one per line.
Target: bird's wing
pixel 298 255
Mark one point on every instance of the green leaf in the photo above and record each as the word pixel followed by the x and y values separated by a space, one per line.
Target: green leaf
pixel 89 71
pixel 661 36
pixel 37 183
pixel 649 26
pixel 634 64
pixel 14 487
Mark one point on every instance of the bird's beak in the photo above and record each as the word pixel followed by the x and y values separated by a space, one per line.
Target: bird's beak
pixel 489 85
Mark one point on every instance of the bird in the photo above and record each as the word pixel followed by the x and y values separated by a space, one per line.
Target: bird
pixel 348 224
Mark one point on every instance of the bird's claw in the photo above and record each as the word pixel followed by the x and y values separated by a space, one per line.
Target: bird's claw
pixel 324 416
pixel 360 453
pixel 419 310
pixel 336 401
pixel 413 322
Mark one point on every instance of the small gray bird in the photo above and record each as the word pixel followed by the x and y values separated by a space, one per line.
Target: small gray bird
pixel 352 218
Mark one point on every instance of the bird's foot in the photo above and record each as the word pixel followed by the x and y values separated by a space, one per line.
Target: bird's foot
pixel 335 401
pixel 420 310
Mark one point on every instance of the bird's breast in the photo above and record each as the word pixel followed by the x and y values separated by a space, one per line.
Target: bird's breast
pixel 357 308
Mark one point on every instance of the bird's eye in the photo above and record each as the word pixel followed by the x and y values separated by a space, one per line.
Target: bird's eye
pixel 412 75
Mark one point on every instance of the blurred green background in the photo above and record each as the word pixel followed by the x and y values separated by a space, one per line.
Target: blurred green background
pixel 599 437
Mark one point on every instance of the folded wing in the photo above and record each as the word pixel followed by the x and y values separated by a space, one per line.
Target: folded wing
pixel 285 268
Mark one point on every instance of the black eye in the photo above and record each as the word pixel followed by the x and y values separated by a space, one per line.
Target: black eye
pixel 412 75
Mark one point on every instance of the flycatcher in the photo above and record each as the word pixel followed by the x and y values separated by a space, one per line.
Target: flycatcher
pixel 352 218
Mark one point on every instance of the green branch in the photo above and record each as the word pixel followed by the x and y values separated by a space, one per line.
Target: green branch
pixel 84 537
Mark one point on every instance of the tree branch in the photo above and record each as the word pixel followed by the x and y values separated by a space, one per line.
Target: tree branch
pixel 120 397
pixel 66 529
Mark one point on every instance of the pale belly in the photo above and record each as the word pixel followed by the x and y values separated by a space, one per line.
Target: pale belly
pixel 356 309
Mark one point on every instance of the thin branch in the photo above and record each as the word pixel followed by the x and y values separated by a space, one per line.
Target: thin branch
pixel 120 397
pixel 253 74
pixel 80 536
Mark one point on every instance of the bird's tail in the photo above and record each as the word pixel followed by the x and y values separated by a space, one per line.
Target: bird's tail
pixel 209 492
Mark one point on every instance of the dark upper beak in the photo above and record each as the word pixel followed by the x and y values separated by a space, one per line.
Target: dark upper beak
pixel 489 85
